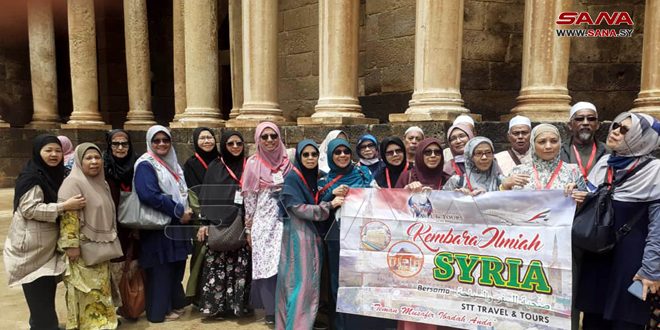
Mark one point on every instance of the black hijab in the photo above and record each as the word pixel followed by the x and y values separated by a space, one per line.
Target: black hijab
pixel 194 170
pixel 217 193
pixel 37 173
pixel 119 169
pixel 394 171
pixel 297 191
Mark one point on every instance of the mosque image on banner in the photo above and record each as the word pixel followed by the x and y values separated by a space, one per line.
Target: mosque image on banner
pixel 495 261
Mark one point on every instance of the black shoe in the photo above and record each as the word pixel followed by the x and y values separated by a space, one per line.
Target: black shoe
pixel 270 320
pixel 318 325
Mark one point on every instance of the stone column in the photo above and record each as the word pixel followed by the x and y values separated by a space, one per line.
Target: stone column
pixel 543 93
pixel 84 73
pixel 338 65
pixel 138 70
pixel 260 99
pixel 438 47
pixel 3 124
pixel 236 56
pixel 43 70
pixel 179 46
pixel 202 85
pixel 648 100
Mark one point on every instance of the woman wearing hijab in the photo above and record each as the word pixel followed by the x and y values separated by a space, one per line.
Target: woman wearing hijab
pixel 159 184
pixel 118 161
pixel 88 293
pixel 262 181
pixel 393 153
pixel 302 250
pixel 67 149
pixel 427 172
pixel 194 170
pixel 225 281
pixel 323 150
pixel 343 175
pixel 605 278
pixel 30 256
pixel 458 135
pixel 481 171
pixel 367 147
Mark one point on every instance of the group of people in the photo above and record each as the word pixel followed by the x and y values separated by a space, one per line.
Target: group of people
pixel 288 201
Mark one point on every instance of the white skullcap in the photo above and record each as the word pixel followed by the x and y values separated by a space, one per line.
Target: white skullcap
pixel 519 120
pixel 582 106
pixel 464 119
pixel 413 129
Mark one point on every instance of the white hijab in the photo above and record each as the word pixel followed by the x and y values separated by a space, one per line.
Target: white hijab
pixel 323 150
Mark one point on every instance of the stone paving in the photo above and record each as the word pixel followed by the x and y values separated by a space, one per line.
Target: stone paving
pixel 15 312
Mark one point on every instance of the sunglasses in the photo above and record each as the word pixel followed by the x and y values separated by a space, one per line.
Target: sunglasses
pixel 116 145
pixel 272 136
pixel 339 152
pixel 367 146
pixel 394 152
pixel 235 144
pixel 432 152
pixel 312 154
pixel 622 128
pixel 588 118
pixel 161 141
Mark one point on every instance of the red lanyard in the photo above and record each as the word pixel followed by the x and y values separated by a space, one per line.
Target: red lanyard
pixel 456 168
pixel 469 184
pixel 176 176
pixel 552 178
pixel 232 174
pixel 585 171
pixel 206 167
pixel 387 175
pixel 610 172
pixel 300 175
pixel 125 188
pixel 329 184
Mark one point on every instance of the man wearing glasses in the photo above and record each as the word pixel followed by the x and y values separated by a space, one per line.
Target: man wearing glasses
pixel 520 128
pixel 582 148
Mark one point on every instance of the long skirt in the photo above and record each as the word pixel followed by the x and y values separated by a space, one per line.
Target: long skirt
pixel 226 280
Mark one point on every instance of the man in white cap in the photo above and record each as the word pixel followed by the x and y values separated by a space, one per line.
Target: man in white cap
pixel 411 138
pixel 462 119
pixel 520 129
pixel 582 148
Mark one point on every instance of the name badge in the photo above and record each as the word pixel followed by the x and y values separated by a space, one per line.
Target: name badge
pixel 238 198
pixel 278 178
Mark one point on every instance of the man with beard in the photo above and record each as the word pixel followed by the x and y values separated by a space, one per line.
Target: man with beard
pixel 582 148
pixel 520 128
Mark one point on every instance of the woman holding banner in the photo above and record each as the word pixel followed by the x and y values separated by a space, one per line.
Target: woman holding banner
pixel 481 171
pixel 302 250
pixel 603 286
pixel 427 171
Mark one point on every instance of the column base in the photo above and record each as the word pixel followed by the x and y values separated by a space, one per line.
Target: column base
pixel 197 122
pixel 446 116
pixel 4 125
pixel 541 107
pixel 649 105
pixel 335 121
pixel 238 123
pixel 43 125
pixel 137 127
pixel 86 125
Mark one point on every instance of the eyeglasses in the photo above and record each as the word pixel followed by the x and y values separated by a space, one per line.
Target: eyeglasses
pixel 204 138
pixel 235 144
pixel 367 146
pixel 116 145
pixel 339 152
pixel 488 154
pixel 391 153
pixel 458 137
pixel 310 154
pixel 432 152
pixel 161 141
pixel 582 118
pixel 622 128
pixel 272 136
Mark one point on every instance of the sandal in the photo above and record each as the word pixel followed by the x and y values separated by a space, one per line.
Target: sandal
pixel 172 316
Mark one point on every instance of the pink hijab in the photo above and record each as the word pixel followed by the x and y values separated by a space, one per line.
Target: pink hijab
pixel 67 148
pixel 258 173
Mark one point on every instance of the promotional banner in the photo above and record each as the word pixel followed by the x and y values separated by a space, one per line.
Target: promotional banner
pixel 499 260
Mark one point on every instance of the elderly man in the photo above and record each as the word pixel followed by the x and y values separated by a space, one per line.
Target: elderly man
pixel 582 148
pixel 520 128
pixel 411 138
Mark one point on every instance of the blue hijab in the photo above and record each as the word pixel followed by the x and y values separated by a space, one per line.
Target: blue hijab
pixel 295 191
pixel 352 176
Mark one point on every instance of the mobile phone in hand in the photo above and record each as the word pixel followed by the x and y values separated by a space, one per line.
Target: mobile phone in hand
pixel 636 289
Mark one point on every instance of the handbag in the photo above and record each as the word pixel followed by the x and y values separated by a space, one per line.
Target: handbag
pixel 134 214
pixel 131 287
pixel 228 238
pixel 593 226
pixel 94 253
